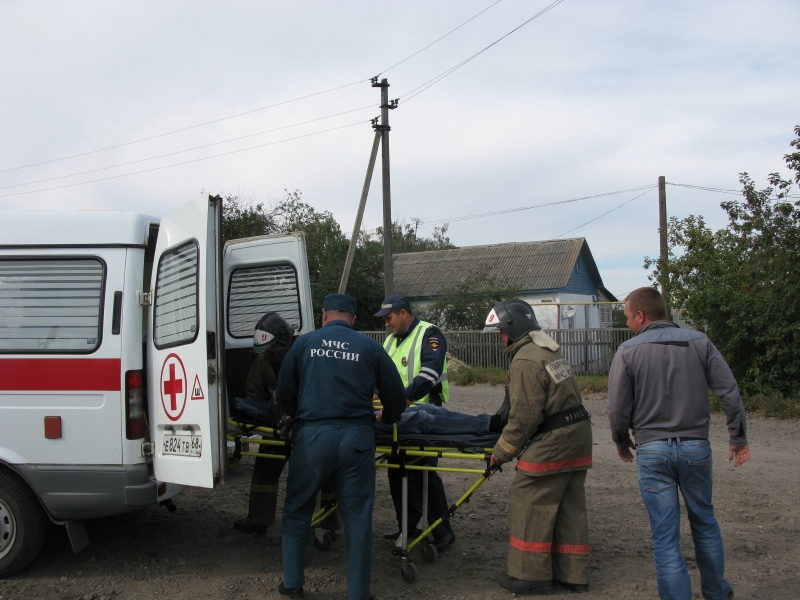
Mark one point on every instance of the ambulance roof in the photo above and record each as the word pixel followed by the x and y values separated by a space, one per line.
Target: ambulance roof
pixel 74 228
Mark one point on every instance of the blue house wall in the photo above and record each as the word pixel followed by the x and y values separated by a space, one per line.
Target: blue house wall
pixel 580 280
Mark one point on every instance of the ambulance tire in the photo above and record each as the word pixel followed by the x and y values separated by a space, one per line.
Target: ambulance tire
pixel 23 524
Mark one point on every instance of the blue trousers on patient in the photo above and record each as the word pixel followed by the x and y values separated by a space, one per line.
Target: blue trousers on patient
pixel 344 453
pixel 428 419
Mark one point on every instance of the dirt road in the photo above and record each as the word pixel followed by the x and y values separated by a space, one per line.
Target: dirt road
pixel 195 553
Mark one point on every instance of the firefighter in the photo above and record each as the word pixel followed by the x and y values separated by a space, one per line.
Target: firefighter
pixel 549 432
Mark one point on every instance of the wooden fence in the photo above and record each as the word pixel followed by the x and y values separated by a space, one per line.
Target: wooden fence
pixel 589 351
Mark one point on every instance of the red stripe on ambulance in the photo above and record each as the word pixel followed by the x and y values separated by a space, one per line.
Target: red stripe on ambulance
pixel 60 374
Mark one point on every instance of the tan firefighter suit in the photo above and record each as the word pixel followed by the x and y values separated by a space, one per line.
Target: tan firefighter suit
pixel 548 526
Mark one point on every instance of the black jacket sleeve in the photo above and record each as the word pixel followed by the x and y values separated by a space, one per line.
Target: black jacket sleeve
pixel 288 381
pixel 434 349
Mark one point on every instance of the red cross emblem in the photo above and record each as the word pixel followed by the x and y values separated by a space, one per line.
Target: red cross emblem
pixel 173 387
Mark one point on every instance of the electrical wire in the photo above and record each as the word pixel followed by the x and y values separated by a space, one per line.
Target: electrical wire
pixel 184 162
pixel 437 41
pixel 608 211
pixel 718 190
pixel 248 112
pixel 141 160
pixel 160 135
pixel 430 222
pixel 431 82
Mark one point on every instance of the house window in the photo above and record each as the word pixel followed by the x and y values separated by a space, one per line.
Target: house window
pixel 175 316
pixel 259 290
pixel 51 305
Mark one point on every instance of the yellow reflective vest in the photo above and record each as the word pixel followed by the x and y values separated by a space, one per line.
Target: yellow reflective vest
pixel 407 357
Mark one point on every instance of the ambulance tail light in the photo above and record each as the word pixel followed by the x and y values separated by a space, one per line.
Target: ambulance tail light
pixel 134 405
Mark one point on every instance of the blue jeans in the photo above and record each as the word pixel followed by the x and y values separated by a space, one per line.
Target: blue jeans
pixel 344 453
pixel 664 466
pixel 428 419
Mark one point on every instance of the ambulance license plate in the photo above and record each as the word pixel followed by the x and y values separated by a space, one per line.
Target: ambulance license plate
pixel 182 445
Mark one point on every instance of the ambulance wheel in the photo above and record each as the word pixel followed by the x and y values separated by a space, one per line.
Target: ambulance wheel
pixel 408 572
pixel 324 543
pixel 23 524
pixel 429 552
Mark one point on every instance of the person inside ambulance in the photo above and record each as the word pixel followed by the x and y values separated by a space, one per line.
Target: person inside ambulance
pixel 272 338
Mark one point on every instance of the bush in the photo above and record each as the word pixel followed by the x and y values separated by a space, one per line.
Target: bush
pixel 763 405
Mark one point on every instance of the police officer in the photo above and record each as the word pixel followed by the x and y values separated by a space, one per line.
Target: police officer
pixel 326 384
pixel 549 432
pixel 419 352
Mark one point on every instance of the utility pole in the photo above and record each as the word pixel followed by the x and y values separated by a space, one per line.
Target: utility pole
pixel 662 230
pixel 357 227
pixel 383 128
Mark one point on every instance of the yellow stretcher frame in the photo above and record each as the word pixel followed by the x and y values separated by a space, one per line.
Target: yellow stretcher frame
pixel 408 570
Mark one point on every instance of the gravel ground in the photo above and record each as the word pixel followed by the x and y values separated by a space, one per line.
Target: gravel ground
pixel 194 553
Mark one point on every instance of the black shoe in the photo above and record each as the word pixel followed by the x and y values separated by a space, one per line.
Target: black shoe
pixel 572 587
pixel 247 527
pixel 443 542
pixel 291 592
pixel 521 585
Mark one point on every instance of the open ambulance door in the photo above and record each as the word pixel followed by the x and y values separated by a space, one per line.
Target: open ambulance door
pixel 261 275
pixel 184 346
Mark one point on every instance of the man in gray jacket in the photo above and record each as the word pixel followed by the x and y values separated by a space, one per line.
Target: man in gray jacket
pixel 658 388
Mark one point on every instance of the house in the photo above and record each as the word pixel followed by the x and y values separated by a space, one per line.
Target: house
pixel 557 273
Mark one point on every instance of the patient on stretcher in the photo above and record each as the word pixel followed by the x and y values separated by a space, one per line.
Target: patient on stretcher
pixel 428 419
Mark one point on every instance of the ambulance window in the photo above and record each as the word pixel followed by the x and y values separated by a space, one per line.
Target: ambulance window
pixel 51 305
pixel 258 290
pixel 175 315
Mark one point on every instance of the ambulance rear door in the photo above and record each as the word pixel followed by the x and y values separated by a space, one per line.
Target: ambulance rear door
pixel 185 391
pixel 261 275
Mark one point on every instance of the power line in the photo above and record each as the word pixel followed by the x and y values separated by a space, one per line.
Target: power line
pixel 184 162
pixel 437 41
pixel 431 82
pixel 133 162
pixel 429 222
pixel 160 135
pixel 248 112
pixel 718 190
pixel 609 211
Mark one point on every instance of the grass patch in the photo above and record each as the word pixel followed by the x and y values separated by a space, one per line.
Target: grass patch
pixel 474 375
pixel 592 384
pixel 763 405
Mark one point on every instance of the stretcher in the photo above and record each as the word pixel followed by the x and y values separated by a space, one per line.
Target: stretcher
pixel 393 451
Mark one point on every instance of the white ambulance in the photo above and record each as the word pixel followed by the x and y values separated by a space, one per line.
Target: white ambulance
pixel 110 321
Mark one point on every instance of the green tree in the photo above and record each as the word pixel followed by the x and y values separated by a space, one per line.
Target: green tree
pixel 740 283
pixel 326 248
pixel 464 305
pixel 243 218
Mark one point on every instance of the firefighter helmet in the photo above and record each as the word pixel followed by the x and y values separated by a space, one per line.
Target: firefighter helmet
pixel 513 317
pixel 271 328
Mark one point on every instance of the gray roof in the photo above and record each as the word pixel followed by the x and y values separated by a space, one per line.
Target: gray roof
pixel 528 266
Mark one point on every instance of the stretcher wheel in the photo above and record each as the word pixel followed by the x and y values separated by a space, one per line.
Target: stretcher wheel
pixel 324 543
pixel 429 552
pixel 232 461
pixel 408 571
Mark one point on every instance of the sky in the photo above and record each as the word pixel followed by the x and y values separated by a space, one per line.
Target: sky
pixel 589 98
